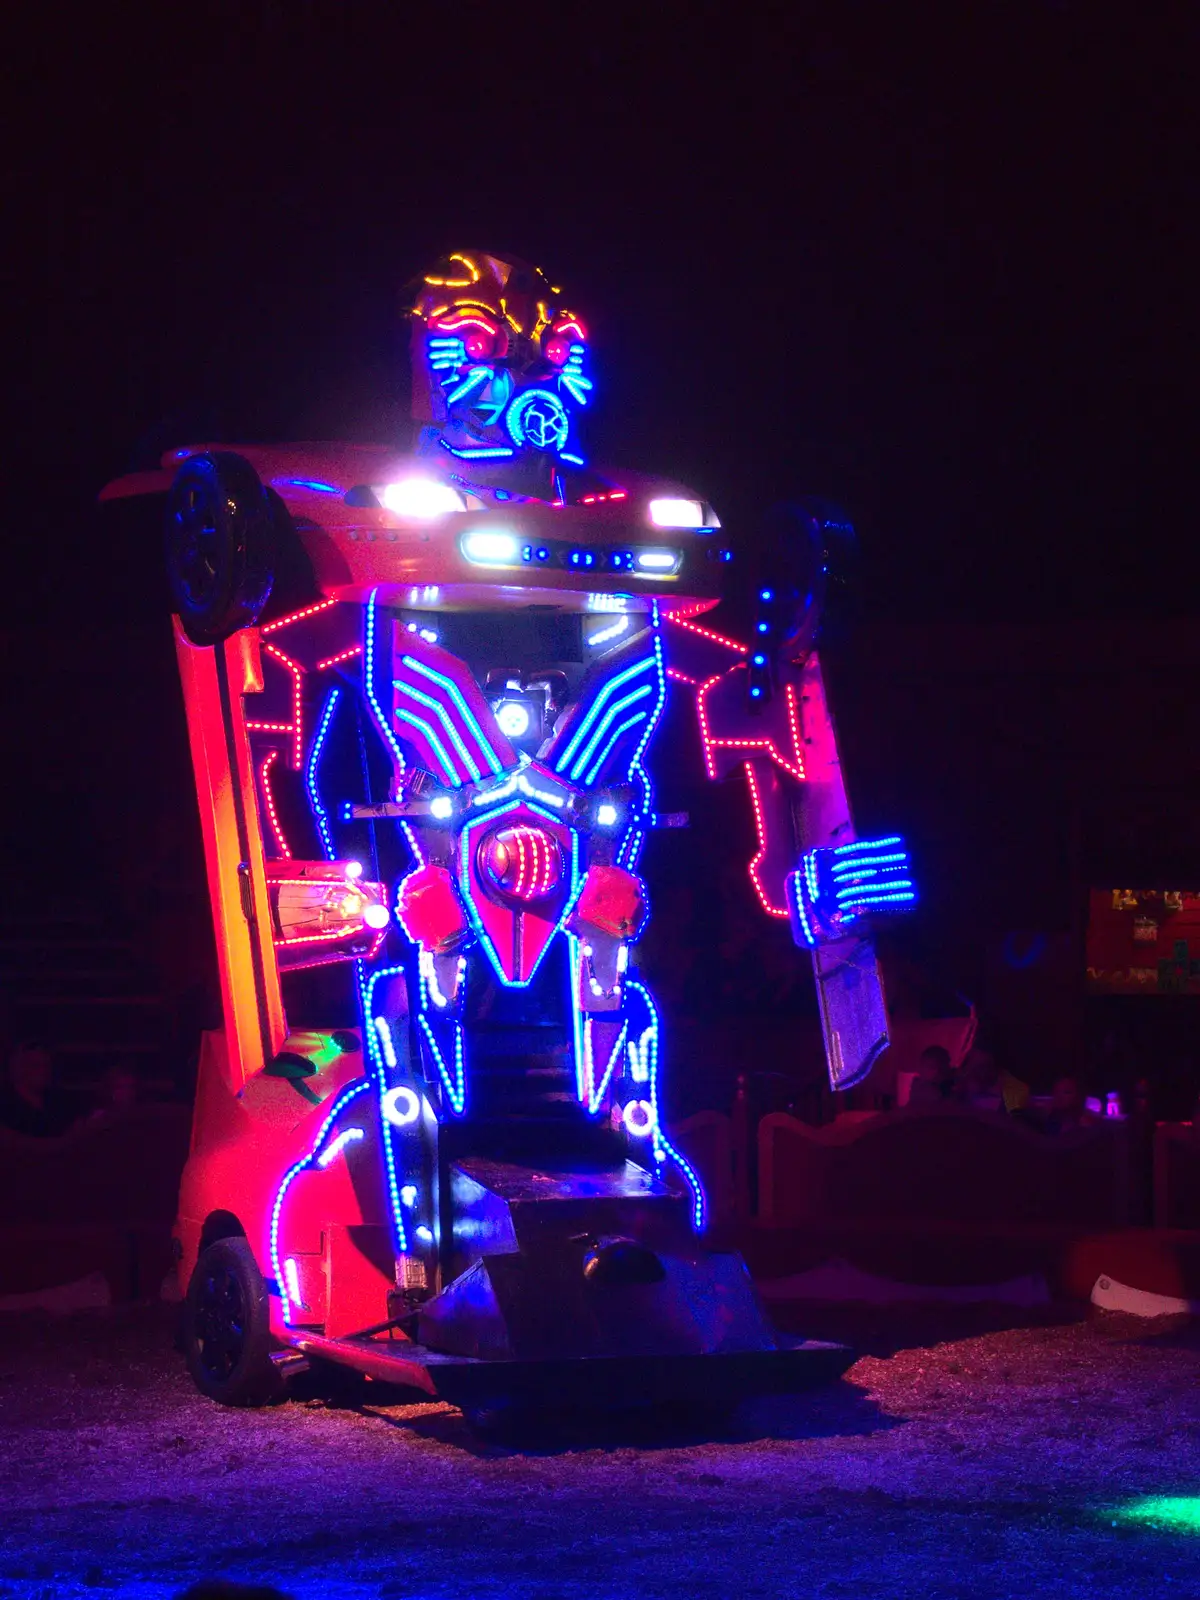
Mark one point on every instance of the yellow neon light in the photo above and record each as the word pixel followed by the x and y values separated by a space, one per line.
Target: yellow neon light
pixel 457 283
pixel 512 321
pixel 543 317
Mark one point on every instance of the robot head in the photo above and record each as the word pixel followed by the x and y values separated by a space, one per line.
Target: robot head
pixel 499 366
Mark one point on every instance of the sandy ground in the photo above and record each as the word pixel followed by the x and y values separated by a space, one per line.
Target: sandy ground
pixel 957 1460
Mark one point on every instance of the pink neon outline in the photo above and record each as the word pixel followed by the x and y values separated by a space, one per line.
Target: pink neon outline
pixel 707 633
pixel 296 616
pixel 761 825
pixel 465 322
pixel 681 677
pixel 706 740
pixel 342 655
pixel 264 773
pixel 297 672
pixel 329 961
pixel 794 767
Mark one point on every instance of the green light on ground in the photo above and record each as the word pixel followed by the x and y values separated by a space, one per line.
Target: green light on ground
pixel 1176 1513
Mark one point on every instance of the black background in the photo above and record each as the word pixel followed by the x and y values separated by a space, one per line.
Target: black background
pixel 935 262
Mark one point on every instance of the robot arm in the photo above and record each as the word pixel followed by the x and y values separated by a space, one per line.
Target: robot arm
pixel 765 711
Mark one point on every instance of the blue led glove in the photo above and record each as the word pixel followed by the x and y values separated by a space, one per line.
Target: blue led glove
pixel 836 885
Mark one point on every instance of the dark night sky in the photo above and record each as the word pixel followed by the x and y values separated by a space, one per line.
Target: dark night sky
pixel 935 262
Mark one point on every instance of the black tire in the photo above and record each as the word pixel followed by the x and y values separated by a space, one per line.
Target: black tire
pixel 227 1327
pixel 221 543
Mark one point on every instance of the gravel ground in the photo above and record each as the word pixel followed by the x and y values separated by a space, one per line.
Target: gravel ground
pixel 957 1460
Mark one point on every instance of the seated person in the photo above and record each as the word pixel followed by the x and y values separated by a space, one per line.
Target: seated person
pixel 983 1084
pixel 29 1101
pixel 118 1091
pixel 934 1082
pixel 1068 1109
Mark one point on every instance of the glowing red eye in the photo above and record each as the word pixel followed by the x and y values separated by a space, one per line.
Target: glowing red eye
pixel 557 350
pixel 479 345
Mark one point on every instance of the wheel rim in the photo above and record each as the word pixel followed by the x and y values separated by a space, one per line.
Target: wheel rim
pixel 220 1324
pixel 197 560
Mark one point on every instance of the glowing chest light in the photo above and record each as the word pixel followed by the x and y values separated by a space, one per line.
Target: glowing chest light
pixel 519 873
pixel 523 863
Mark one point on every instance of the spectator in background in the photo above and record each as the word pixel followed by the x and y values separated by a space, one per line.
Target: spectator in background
pixel 934 1082
pixel 119 1091
pixel 30 1102
pixel 1068 1109
pixel 984 1085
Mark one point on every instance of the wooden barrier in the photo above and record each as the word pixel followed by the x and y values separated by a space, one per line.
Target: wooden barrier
pixel 938 1165
pixel 101 1198
pixel 1177 1175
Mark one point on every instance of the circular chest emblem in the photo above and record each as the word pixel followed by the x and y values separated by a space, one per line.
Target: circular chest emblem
pixel 523 863
pixel 537 418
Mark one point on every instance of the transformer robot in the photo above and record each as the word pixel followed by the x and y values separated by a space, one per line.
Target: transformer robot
pixel 421 691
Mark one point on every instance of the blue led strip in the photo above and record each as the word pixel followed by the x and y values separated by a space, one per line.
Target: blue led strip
pixel 474 378
pixel 631 844
pixel 366 990
pixel 491 452
pixel 383 723
pixel 663 1148
pixel 455 1086
pixel 447 723
pixel 597 1094
pixel 576 386
pixel 624 728
pixel 456 694
pixel 310 483
pixel 449 771
pixel 473 911
pixel 293 1172
pixel 448 352
pixel 795 895
pixel 606 722
pixel 614 630
pixel 310 774
pixel 609 689
pixel 574 978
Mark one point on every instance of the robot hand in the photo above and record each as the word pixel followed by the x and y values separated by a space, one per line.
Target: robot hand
pixel 835 885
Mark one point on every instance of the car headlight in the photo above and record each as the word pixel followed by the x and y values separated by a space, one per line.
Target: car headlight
pixel 491 547
pixel 656 563
pixel 420 497
pixel 672 513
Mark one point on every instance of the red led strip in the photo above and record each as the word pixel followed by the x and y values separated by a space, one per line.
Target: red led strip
pixel 707 633
pixel 329 961
pixel 269 727
pixel 760 822
pixel 264 773
pixel 681 677
pixel 342 655
pixel 319 938
pixel 465 322
pixel 706 739
pixel 795 767
pixel 521 887
pixel 296 616
pixel 297 673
